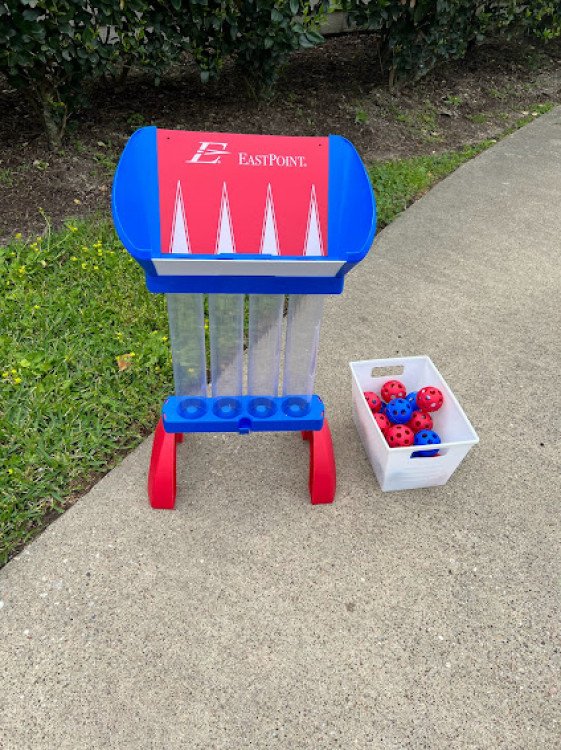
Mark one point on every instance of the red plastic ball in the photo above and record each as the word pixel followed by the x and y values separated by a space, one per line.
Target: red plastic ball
pixel 429 398
pixel 373 400
pixel 400 436
pixel 393 389
pixel 382 421
pixel 420 421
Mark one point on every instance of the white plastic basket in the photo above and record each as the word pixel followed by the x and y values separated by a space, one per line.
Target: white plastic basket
pixel 395 468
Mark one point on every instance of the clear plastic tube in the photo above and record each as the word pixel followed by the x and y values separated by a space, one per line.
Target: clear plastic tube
pixel 225 312
pixel 302 343
pixel 187 333
pixel 265 332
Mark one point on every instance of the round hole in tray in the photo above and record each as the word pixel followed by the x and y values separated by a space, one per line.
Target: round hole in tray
pixel 295 406
pixel 262 407
pixel 192 408
pixel 227 408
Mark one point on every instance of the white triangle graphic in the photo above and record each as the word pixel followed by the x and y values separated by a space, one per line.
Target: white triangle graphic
pixel 269 239
pixel 314 243
pixel 225 235
pixel 179 242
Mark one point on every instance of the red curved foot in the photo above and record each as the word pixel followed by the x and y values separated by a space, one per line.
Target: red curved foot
pixel 161 477
pixel 323 475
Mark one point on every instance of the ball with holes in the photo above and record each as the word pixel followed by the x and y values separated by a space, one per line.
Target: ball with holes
pixel 373 400
pixel 399 411
pixel 426 437
pixel 399 436
pixel 382 421
pixel 393 389
pixel 420 420
pixel 412 398
pixel 429 398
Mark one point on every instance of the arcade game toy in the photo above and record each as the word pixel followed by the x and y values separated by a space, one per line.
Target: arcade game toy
pixel 213 217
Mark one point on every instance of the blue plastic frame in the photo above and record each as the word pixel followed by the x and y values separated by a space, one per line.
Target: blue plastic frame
pixel 242 414
pixel 351 224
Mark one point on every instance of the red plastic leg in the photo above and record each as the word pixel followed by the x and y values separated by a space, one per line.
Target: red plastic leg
pixel 323 475
pixel 161 477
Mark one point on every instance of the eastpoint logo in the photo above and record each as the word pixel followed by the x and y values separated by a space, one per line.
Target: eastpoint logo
pixel 208 153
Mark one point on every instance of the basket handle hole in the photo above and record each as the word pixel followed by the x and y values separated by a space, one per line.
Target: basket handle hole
pixel 441 452
pixel 386 372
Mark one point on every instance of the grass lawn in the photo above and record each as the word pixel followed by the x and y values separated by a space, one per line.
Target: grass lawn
pixel 84 355
pixel 398 183
pixel 85 364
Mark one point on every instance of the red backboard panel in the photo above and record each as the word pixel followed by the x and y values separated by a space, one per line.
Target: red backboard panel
pixel 224 193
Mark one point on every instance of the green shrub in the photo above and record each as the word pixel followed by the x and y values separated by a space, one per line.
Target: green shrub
pixel 543 18
pixel 267 31
pixel 52 49
pixel 539 18
pixel 415 35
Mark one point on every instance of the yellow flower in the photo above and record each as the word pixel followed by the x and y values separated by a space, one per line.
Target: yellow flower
pixel 33 246
pixel 73 228
pixel 18 235
pixel 73 258
pixel 5 374
pixel 21 269
pixel 10 471
pixel 84 265
pixel 100 252
pixel 17 381
pixel 36 307
pixel 164 338
pixel 14 372
pixel 96 268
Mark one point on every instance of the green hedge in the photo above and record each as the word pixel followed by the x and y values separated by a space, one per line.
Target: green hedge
pixel 267 32
pixel 53 49
pixel 415 35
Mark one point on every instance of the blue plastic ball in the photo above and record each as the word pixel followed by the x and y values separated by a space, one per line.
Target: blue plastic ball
pixel 383 408
pixel 426 437
pixel 412 399
pixel 399 411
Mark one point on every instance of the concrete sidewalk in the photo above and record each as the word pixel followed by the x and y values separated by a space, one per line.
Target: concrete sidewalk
pixel 249 619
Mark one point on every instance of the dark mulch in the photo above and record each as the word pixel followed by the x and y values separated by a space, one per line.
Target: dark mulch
pixel 336 88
